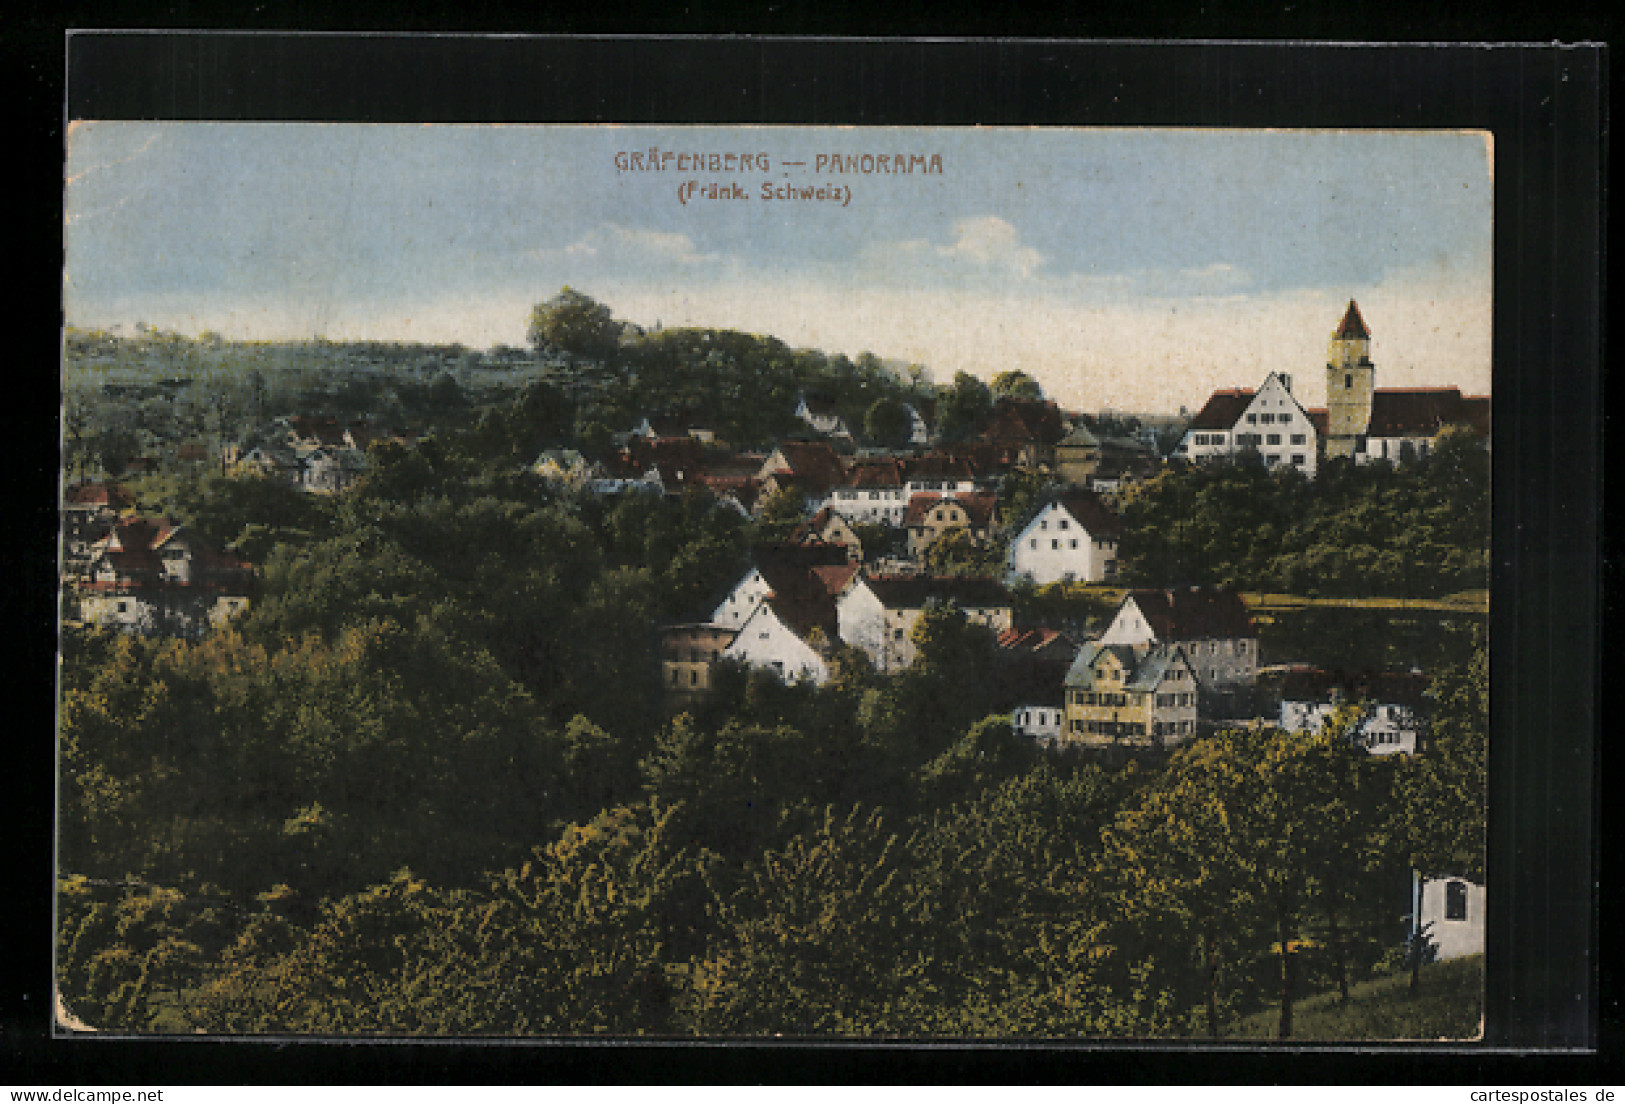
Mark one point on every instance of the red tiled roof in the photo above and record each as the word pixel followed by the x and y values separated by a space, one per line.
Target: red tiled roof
pixel 1413 412
pixel 109 495
pixel 1222 410
pixel 1032 640
pixel 1318 418
pixel 978 507
pixel 874 473
pixel 938 465
pixel 835 579
pixel 1194 613
pixel 816 462
pixel 1026 420
pixel 1090 512
pixel 1352 327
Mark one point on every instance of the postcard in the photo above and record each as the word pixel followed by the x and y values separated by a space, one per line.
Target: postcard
pixel 731 582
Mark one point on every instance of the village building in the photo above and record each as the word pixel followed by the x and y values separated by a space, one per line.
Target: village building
pixel 921 415
pixel 688 658
pixel 154 577
pixel 1077 456
pixel 1368 423
pixel 930 517
pixel 1209 624
pixel 810 468
pixel 1072 538
pixel 821 415
pixel 562 465
pixel 1389 707
pixel 89 510
pixel 777 568
pixel 1117 695
pixel 793 629
pixel 829 527
pixel 1038 723
pixel 872 493
pixel 878 613
pixel 1269 421
pixel 1450 913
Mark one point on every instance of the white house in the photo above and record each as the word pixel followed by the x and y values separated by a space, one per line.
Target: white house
pixel 873 492
pixel 1074 537
pixel 1451 910
pixel 772 639
pixel 1388 728
pixel 822 416
pixel 878 613
pixel 1039 723
pixel 1269 421
pixel 1210 624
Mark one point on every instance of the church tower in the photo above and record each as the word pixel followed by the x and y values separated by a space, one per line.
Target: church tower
pixel 1350 379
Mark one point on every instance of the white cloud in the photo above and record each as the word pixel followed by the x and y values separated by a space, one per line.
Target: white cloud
pixel 993 242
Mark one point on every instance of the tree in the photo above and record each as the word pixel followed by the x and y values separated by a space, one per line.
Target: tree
pixel 964 405
pixel 574 324
pixel 887 423
pixel 1016 384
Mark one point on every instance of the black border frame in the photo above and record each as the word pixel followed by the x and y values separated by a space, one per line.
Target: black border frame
pixel 1547 108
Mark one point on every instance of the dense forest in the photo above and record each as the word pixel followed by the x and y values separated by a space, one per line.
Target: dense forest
pixel 1417 529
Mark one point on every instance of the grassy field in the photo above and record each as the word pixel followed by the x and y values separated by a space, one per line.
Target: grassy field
pixel 1467 601
pixel 1448 1004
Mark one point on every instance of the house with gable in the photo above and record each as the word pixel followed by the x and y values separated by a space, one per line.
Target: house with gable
pixel 794 626
pixel 872 493
pixel 1269 421
pixel 878 613
pixel 89 510
pixel 776 568
pixel 809 468
pixel 1118 695
pixel 829 527
pixel 931 516
pixel 1209 624
pixel 155 577
pixel 1074 537
pixel 822 416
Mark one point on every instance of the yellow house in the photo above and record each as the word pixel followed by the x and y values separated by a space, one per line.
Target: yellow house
pixel 1115 697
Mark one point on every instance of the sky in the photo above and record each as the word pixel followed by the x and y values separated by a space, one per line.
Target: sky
pixel 1126 269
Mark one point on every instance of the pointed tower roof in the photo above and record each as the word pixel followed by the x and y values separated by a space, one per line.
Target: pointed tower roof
pixel 1353 326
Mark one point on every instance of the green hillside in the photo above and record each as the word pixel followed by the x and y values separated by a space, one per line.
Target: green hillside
pixel 1448 1004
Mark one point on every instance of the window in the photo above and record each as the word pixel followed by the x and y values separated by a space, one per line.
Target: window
pixel 693 678
pixel 1044 524
pixel 1298 439
pixel 1267 418
pixel 1348 379
pixel 1297 459
pixel 1252 419
pixel 1273 439
pixel 1054 544
pixel 897 634
pixel 1074 542
pixel 1033 542
pixel 1455 901
pixel 1063 523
